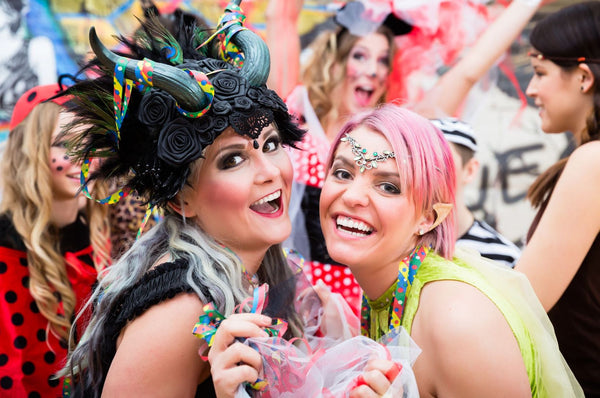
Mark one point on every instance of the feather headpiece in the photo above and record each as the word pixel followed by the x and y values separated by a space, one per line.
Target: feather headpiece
pixel 150 114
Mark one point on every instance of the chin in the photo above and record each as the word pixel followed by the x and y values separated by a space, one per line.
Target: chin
pixel 279 235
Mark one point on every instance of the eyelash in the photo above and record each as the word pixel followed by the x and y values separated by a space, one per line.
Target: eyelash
pixel 393 188
pixel 387 187
pixel 337 174
pixel 276 140
pixel 359 56
pixel 238 157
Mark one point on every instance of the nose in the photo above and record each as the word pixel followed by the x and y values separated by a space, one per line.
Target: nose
pixel 267 168
pixel 531 90
pixel 372 68
pixel 355 194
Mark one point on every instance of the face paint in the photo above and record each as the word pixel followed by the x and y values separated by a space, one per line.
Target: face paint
pixel 63 173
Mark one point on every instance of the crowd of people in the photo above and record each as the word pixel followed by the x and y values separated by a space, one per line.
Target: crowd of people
pixel 313 237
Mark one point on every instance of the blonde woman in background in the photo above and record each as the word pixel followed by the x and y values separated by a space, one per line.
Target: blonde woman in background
pixel 50 251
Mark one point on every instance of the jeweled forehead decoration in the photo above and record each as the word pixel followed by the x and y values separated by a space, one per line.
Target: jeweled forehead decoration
pixel 362 159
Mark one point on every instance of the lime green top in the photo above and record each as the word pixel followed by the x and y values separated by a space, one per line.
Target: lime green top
pixel 537 351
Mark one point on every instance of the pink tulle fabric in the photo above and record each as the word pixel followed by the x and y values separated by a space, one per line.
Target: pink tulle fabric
pixel 330 356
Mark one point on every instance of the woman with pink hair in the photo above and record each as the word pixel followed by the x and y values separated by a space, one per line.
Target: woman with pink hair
pixel 386 212
pixel 353 68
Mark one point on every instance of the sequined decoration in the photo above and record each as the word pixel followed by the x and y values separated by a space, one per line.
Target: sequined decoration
pixel 407 269
pixel 363 161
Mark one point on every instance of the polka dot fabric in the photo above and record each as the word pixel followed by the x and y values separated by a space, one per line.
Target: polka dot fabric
pixel 339 279
pixel 309 169
pixel 28 355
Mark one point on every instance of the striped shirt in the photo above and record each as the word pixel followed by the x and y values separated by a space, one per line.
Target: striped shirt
pixel 489 243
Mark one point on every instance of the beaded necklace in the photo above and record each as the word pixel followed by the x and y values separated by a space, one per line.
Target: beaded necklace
pixel 407 269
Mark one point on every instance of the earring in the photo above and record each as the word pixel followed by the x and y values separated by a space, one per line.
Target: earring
pixel 421 231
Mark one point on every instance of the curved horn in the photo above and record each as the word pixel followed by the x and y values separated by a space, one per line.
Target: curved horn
pixel 176 82
pixel 257 61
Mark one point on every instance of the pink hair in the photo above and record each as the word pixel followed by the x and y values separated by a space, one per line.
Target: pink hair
pixel 430 177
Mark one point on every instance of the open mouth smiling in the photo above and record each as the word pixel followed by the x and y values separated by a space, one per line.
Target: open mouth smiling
pixel 352 226
pixel 363 95
pixel 269 204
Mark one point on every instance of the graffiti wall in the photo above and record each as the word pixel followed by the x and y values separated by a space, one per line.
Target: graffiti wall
pixel 42 39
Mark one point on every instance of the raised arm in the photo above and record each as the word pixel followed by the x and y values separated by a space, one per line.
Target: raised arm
pixel 452 88
pixel 283 40
pixel 567 229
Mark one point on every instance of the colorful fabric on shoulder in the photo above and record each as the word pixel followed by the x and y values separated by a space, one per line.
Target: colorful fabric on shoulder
pixel 329 359
pixel 511 292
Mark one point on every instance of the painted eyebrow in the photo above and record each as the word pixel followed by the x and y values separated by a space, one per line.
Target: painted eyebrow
pixel 234 146
pixel 344 160
pixel 239 146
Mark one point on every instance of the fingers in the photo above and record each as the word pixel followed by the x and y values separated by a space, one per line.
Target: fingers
pixel 236 365
pixel 322 291
pixel 389 368
pixel 376 379
pixel 232 362
pixel 377 382
pixel 239 326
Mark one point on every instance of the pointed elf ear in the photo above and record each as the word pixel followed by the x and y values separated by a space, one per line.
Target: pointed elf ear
pixel 441 212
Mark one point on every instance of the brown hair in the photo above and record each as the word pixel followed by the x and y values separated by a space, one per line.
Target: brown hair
pixel 564 37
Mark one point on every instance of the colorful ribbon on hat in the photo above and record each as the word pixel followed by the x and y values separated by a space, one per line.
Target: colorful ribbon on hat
pixel 85 171
pixel 209 322
pixel 232 20
pixel 206 86
pixel 121 95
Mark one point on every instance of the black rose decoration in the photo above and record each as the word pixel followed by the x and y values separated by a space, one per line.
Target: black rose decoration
pixel 221 108
pixel 208 64
pixel 205 130
pixel 204 124
pixel 243 103
pixel 267 102
pixel 253 93
pixel 178 144
pixel 221 123
pixel 277 99
pixel 156 108
pixel 228 85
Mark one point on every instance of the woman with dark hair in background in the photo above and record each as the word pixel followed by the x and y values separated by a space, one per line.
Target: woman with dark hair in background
pixel 562 255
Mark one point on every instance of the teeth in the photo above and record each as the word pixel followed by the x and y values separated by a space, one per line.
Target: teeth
pixel 353 224
pixel 268 198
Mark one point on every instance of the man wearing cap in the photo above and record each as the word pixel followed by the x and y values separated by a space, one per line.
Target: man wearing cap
pixel 473 234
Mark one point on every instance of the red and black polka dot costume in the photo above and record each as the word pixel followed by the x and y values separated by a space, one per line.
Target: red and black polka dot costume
pixel 310 171
pixel 28 355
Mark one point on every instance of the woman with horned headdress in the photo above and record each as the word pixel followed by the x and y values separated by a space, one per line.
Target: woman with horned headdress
pixel 202 139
